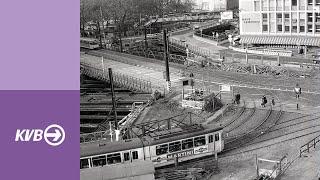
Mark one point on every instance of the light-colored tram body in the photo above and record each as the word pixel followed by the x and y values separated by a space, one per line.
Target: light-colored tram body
pixel 89 43
pixel 162 151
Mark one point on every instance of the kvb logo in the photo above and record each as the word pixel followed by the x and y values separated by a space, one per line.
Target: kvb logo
pixel 54 135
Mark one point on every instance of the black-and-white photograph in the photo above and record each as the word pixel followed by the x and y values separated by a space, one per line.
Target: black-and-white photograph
pixel 200 89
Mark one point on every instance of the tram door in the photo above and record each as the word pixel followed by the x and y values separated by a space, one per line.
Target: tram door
pixel 127 157
pixel 211 144
pixel 214 142
pixel 130 156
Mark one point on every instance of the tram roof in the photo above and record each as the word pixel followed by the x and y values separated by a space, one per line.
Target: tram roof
pixel 104 147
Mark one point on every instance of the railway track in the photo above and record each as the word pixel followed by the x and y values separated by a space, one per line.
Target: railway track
pixel 247 115
pixel 238 114
pixel 255 145
pixel 243 139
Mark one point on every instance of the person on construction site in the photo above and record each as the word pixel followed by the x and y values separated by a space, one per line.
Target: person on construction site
pixel 273 102
pixel 264 101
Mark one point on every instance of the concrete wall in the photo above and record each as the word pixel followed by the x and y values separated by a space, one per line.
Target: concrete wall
pixel 132 171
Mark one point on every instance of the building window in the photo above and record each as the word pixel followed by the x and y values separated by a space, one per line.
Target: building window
pixel 294 2
pixel 317 28
pixel 287 5
pixel 310 2
pixel 175 146
pixel 302 29
pixel 199 141
pixel 126 156
pixel 286 29
pixel 264 28
pixel 99 161
pixel 317 2
pixel 264 5
pixel 294 29
pixel 310 17
pixel 317 15
pixel 271 5
pixel 114 158
pixel 188 143
pixel 135 155
pixel 309 28
pixel 279 15
pixel 264 17
pixel 279 29
pixel 286 15
pixel 162 149
pixel 302 5
pixel 257 5
pixel 279 5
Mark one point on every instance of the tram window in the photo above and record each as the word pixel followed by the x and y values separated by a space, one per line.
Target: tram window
pixel 210 138
pixel 99 161
pixel 84 163
pixel 175 146
pixel 135 155
pixel 114 158
pixel 199 141
pixel 216 137
pixel 188 143
pixel 126 156
pixel 162 149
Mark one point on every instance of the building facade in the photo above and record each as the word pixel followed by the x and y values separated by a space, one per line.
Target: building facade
pixel 216 5
pixel 289 22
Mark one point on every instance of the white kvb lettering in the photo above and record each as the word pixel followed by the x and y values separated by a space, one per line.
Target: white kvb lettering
pixel 28 134
pixel 37 135
pixel 19 135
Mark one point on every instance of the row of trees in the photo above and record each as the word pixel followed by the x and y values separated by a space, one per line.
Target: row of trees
pixel 125 13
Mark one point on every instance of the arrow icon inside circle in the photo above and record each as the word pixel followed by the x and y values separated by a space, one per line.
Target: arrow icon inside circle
pixel 56 135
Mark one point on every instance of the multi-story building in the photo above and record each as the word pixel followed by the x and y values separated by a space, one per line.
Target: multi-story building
pixel 280 22
pixel 216 5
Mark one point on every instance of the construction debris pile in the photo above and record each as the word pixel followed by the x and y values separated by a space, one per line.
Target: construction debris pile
pixel 276 71
pixel 262 69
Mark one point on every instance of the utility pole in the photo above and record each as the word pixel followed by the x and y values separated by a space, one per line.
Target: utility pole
pixel 145 37
pixel 166 59
pixel 104 35
pixel 99 31
pixel 120 38
pixel 114 105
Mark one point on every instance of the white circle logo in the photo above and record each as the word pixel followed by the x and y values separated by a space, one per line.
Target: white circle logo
pixel 54 135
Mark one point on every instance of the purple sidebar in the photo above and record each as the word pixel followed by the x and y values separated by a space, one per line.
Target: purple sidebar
pixel 38 110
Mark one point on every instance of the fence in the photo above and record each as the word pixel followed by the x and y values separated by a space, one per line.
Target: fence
pixel 120 80
pixel 263 52
pixel 124 123
pixel 194 49
pixel 308 145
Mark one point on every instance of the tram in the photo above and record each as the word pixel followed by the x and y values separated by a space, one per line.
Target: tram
pixel 162 147
pixel 89 43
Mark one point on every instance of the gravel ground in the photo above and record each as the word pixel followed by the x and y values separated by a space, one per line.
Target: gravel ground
pixel 242 165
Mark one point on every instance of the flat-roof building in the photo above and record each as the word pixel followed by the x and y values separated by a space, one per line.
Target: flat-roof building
pixel 216 5
pixel 280 22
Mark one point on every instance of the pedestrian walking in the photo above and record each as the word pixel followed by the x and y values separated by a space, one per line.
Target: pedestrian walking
pixel 264 101
pixel 273 102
